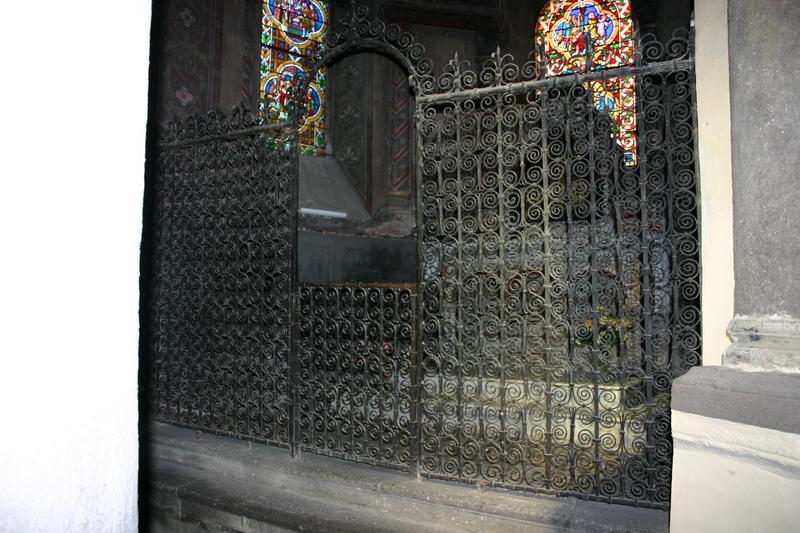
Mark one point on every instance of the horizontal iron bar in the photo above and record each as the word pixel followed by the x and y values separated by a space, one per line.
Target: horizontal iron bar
pixel 523 87
pixel 229 134
pixel 359 285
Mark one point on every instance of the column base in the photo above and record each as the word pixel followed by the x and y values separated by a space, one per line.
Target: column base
pixel 770 344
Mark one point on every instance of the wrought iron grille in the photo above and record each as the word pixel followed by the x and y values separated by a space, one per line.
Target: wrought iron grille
pixel 356 353
pixel 559 291
pixel 560 285
pixel 222 262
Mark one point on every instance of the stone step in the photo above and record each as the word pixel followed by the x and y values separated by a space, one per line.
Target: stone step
pixel 199 482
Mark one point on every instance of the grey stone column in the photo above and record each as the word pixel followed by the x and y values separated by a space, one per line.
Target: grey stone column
pixel 765 92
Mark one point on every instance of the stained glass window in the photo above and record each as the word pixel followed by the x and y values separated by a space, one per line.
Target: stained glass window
pixel 292 30
pixel 569 30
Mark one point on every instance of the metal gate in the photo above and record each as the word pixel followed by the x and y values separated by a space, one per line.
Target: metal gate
pixel 560 279
pixel 356 351
pixel 222 266
pixel 558 294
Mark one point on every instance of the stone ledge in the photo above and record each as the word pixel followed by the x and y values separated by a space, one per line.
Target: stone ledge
pixel 184 499
pixel 764 344
pixel 762 399
pixel 766 448
pixel 322 494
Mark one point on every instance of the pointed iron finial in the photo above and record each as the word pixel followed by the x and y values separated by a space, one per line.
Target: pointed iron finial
pixel 541 60
pixel 454 64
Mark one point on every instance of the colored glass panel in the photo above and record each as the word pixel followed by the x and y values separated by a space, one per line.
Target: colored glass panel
pixel 292 32
pixel 569 31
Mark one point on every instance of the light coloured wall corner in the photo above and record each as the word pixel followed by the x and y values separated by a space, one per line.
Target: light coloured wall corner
pixel 716 190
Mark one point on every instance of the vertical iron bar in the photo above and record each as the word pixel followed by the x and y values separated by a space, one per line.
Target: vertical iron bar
pixel 502 273
pixel 396 366
pixel 440 239
pixel 698 202
pixel 523 284
pixel 570 279
pixel 459 301
pixel 594 297
pixel 293 348
pixel 417 368
pixel 481 303
pixel 324 372
pixel 621 274
pixel 669 234
pixel 646 288
pixel 367 356
pixel 548 316
pixel 351 317
pixel 342 361
pixel 381 368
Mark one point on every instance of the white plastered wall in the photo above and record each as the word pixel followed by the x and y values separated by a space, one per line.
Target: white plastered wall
pixel 74 96
pixel 716 177
pixel 729 477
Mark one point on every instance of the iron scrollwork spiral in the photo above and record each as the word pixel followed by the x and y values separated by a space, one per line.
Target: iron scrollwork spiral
pixel 356 354
pixel 222 261
pixel 560 283
pixel 559 294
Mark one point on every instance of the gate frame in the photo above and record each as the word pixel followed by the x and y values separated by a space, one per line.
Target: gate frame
pixel 354 35
pixel 358 35
pixel 362 34
pixel 492 79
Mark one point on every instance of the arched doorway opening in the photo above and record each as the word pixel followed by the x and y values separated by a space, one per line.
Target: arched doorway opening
pixel 355 344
